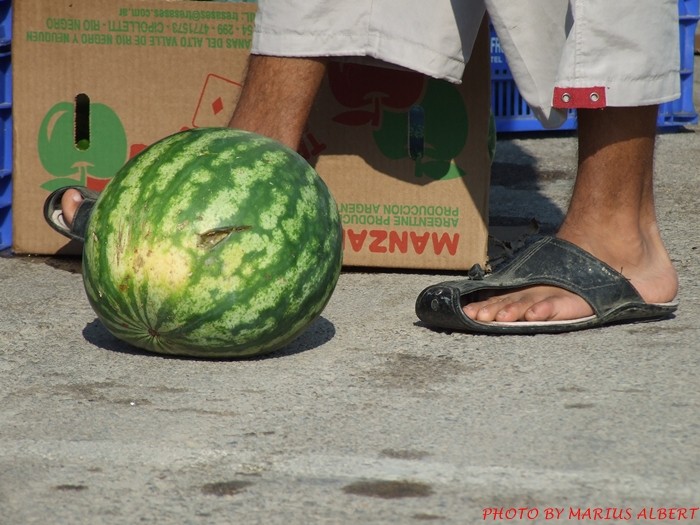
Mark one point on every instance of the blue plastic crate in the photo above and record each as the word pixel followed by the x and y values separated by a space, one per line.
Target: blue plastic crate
pixel 5 124
pixel 5 22
pixel 682 111
pixel 5 225
pixel 5 78
pixel 6 178
pixel 5 211
pixel 512 113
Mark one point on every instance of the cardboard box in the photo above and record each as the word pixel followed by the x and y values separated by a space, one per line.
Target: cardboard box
pixel 405 156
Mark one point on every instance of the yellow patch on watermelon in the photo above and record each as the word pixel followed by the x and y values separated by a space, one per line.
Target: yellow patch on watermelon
pixel 165 267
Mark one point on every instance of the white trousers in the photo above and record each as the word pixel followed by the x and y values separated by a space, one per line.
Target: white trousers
pixel 562 53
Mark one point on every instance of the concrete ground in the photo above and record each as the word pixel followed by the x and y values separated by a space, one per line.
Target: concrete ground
pixel 368 417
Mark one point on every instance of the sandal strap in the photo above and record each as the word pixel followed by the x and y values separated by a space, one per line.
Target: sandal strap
pixel 547 261
pixel 54 215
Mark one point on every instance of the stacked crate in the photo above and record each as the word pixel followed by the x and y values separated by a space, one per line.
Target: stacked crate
pixel 512 113
pixel 5 124
pixel 682 111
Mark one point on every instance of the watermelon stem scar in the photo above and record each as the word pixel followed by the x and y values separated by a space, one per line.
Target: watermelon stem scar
pixel 211 238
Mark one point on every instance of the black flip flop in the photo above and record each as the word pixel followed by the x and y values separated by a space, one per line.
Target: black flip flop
pixel 547 261
pixel 54 214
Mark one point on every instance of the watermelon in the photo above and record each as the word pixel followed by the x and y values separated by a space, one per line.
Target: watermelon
pixel 212 242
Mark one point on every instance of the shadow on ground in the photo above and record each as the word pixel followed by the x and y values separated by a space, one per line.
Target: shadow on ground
pixel 320 332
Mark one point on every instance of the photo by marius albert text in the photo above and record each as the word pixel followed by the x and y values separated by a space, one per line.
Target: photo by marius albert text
pixel 661 514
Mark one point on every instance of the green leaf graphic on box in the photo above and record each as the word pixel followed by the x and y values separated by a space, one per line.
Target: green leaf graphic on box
pixel 446 129
pixel 83 164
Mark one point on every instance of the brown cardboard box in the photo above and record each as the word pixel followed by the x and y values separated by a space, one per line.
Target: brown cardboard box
pixel 405 156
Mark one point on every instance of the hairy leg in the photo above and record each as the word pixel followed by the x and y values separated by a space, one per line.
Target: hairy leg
pixel 276 99
pixel 611 215
pixel 277 96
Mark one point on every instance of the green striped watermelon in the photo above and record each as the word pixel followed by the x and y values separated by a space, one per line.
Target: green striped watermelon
pixel 212 242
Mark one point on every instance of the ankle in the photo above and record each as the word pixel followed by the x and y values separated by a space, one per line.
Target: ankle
pixel 620 246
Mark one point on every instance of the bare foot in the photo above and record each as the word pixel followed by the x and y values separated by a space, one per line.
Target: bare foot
pixel 645 264
pixel 611 215
pixel 70 201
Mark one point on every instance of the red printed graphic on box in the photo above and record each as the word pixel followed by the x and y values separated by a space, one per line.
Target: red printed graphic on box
pixel 84 143
pixel 218 97
pixel 411 116
pixel 216 102
pixel 369 91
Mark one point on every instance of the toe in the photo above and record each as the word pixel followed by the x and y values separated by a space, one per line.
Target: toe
pixel 537 304
pixel 507 309
pixel 541 311
pixel 558 307
pixel 513 311
pixel 483 310
pixel 69 204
